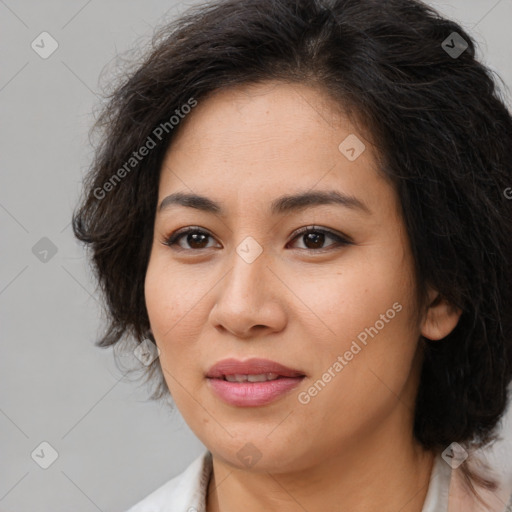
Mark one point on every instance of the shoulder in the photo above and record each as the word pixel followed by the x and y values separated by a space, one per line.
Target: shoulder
pixel 185 491
pixel 491 500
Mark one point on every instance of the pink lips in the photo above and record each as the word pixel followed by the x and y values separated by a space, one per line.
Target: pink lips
pixel 251 394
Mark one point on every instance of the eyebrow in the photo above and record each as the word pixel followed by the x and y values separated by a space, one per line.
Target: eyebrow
pixel 281 205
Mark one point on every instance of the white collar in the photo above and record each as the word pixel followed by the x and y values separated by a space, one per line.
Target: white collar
pixel 439 487
pixel 184 493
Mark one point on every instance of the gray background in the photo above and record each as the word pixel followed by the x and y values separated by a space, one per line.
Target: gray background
pixel 114 446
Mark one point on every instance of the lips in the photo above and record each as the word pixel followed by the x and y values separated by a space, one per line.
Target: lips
pixel 252 383
pixel 232 367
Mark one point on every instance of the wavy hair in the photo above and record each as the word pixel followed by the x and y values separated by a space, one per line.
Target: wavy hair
pixel 443 134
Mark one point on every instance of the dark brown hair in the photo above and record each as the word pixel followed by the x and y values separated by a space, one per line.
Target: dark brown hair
pixel 443 134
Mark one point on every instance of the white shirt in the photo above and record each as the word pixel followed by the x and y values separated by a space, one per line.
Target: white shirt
pixel 187 491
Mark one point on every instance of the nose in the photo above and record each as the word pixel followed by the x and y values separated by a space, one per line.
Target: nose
pixel 250 298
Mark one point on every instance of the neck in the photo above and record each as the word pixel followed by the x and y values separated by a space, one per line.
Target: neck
pixel 380 475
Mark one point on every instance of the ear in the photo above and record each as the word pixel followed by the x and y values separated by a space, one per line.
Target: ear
pixel 440 318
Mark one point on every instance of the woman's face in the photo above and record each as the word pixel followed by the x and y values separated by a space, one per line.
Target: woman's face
pixel 246 283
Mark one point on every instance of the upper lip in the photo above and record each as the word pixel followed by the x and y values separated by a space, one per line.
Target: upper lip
pixel 253 366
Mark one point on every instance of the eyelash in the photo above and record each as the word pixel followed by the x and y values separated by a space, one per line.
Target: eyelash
pixel 340 241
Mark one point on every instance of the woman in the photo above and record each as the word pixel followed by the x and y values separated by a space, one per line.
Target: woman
pixel 303 205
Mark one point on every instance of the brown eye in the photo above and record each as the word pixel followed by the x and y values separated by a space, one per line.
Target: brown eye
pixel 195 238
pixel 314 238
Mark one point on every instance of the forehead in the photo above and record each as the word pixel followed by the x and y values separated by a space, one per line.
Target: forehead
pixel 260 139
pixel 273 114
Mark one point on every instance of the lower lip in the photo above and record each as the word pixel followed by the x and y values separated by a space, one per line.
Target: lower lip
pixel 253 394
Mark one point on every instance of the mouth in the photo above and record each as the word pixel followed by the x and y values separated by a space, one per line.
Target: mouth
pixel 260 377
pixel 252 383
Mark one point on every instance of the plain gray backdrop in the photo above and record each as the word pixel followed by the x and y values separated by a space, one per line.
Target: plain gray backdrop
pixel 113 446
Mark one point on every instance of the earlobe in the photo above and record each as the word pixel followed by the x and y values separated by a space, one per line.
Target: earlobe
pixel 440 318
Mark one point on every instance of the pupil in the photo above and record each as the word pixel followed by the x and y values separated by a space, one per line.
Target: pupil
pixel 316 238
pixel 193 239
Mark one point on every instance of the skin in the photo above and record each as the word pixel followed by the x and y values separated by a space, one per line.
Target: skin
pixel 300 304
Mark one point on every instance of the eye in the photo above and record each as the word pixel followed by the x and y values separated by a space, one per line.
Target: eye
pixel 196 238
pixel 314 237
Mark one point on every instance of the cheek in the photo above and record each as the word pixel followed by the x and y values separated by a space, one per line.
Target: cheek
pixel 366 315
pixel 172 305
pixel 370 381
pixel 341 302
pixel 170 312
pixel 383 309
pixel 170 296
